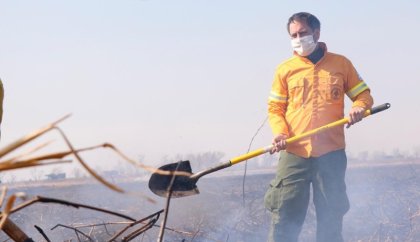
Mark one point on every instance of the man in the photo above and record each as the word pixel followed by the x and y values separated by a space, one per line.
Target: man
pixel 308 92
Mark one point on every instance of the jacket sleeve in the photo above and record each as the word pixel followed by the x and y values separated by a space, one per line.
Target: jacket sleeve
pixel 277 105
pixel 357 89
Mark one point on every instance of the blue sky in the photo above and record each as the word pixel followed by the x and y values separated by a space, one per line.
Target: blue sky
pixel 160 78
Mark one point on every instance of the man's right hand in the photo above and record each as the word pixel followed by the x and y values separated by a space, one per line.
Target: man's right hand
pixel 279 143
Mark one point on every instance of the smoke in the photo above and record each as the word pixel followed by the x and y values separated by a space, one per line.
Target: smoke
pixel 383 198
pixel 384 203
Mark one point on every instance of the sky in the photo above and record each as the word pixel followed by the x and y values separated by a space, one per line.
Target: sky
pixel 159 78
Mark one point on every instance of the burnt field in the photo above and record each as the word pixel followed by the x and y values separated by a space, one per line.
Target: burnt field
pixel 384 207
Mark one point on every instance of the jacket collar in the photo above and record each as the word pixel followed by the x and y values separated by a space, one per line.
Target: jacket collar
pixel 321 45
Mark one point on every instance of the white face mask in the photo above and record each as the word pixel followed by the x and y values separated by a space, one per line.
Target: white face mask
pixel 304 46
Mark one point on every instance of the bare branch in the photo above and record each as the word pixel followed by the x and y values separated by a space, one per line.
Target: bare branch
pixel 75 230
pixel 67 203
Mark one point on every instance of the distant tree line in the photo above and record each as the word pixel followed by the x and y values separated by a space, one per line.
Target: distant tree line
pixel 395 154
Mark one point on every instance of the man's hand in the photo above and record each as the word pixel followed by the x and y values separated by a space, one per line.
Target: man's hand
pixel 356 114
pixel 279 143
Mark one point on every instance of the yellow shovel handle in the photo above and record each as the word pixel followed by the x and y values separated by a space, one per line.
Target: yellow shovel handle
pixel 306 134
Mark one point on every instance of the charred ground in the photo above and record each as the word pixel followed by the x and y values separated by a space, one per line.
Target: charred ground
pixel 384 207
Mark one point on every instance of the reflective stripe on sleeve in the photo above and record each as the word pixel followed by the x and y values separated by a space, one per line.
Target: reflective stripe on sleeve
pixel 359 88
pixel 277 97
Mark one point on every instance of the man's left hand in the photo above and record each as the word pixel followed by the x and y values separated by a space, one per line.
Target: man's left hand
pixel 356 114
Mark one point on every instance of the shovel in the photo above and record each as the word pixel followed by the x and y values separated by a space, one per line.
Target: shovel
pixel 183 185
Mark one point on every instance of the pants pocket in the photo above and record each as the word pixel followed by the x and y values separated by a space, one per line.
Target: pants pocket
pixel 279 192
pixel 272 194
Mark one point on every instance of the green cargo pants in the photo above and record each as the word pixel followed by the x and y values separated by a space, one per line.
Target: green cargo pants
pixel 288 196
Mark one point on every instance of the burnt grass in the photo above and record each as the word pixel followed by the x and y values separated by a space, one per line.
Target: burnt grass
pixel 385 206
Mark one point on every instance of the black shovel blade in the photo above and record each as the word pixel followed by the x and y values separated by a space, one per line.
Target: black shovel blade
pixel 183 185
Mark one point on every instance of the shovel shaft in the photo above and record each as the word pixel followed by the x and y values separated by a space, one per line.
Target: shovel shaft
pixel 290 140
pixel 250 155
pixel 182 186
pixel 317 130
pixel 342 121
pixel 197 175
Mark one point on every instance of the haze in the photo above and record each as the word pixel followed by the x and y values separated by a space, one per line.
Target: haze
pixel 159 78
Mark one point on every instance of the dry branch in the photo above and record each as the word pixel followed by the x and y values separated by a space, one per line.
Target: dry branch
pixel 155 217
pixel 77 231
pixel 23 161
pixel 20 142
pixel 67 203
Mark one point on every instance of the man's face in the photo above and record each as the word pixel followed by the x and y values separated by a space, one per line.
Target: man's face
pixel 299 29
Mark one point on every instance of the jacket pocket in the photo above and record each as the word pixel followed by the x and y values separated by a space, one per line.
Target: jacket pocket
pixel 296 92
pixel 332 90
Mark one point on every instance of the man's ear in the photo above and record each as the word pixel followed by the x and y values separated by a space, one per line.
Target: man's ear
pixel 317 34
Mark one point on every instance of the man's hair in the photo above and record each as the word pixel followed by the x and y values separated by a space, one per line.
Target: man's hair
pixel 307 18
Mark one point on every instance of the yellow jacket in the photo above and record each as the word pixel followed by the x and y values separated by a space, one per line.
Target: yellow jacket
pixel 305 96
